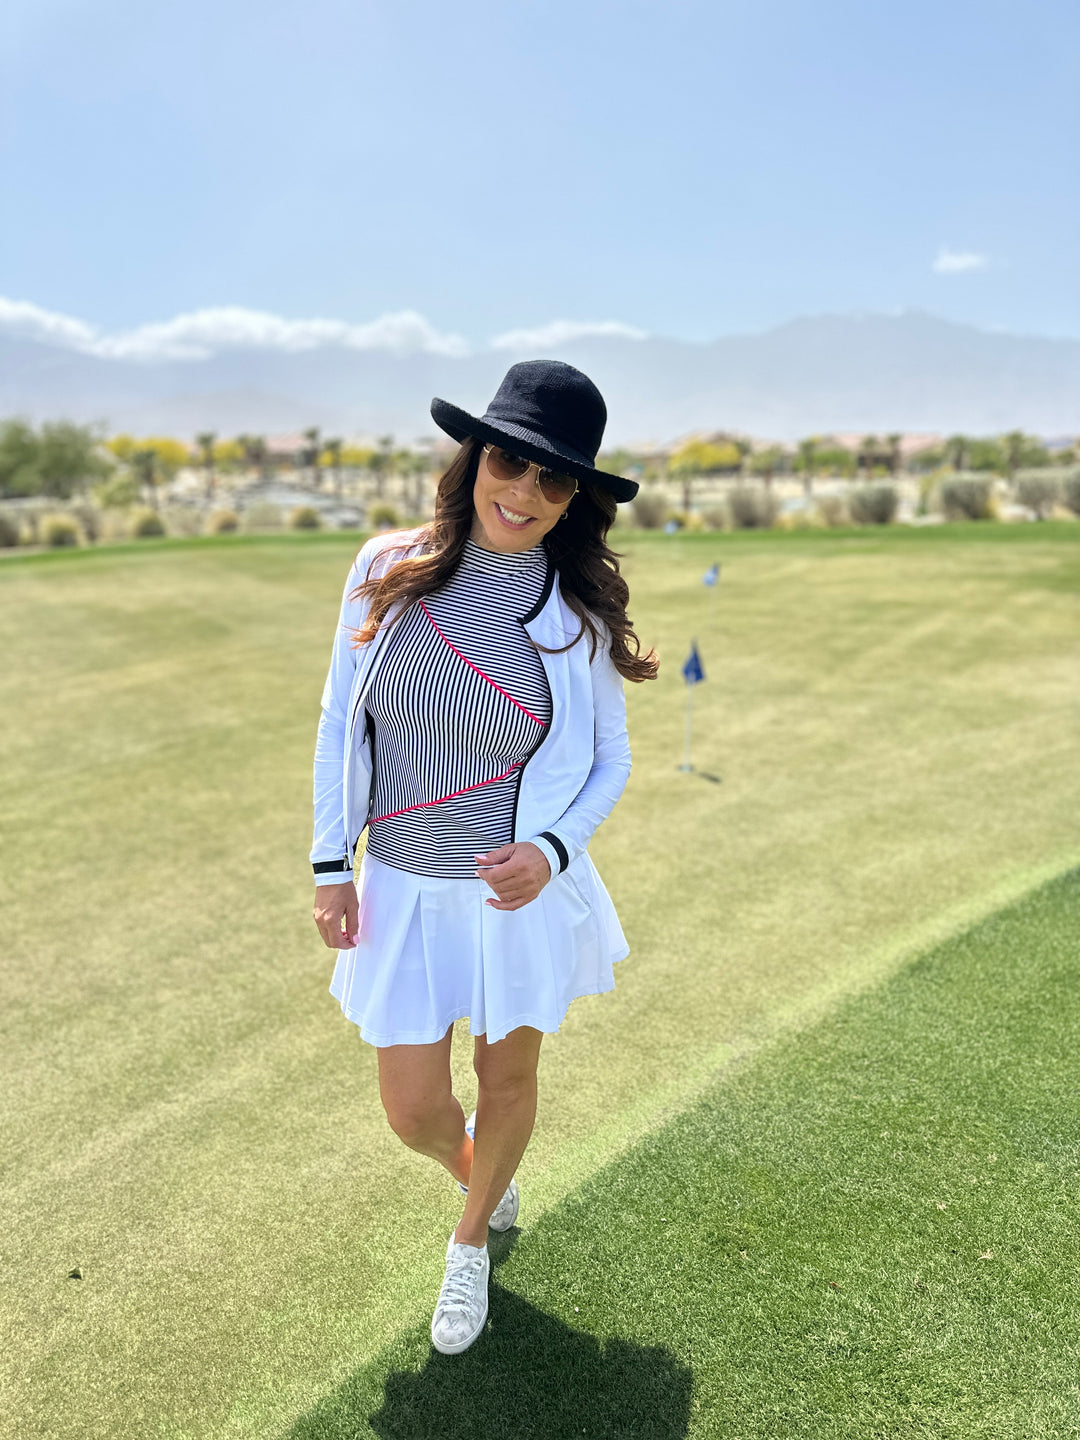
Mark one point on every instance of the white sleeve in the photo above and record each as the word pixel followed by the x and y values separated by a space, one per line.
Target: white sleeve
pixel 330 857
pixel 606 780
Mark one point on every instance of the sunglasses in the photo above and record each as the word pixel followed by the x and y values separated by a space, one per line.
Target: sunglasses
pixel 554 485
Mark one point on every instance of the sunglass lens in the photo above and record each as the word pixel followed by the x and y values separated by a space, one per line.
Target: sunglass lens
pixel 505 464
pixel 557 487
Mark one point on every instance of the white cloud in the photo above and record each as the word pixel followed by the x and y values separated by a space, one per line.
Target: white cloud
pixel 19 317
pixel 205 332
pixel 202 333
pixel 561 332
pixel 953 262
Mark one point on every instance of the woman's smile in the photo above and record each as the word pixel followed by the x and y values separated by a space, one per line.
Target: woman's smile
pixel 511 517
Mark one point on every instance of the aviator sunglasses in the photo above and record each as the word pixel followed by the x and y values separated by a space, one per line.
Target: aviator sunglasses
pixel 554 485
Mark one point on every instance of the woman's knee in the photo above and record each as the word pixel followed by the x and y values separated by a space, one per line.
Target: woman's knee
pixel 410 1123
pixel 415 1089
pixel 506 1071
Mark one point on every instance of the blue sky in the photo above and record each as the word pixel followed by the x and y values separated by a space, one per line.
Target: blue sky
pixel 686 169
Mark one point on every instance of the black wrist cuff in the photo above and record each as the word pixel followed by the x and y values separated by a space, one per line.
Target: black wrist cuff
pixel 559 848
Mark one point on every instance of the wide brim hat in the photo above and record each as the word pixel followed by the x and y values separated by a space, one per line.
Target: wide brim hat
pixel 546 411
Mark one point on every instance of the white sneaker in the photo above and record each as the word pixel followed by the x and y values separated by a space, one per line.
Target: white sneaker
pixel 463 1300
pixel 506 1212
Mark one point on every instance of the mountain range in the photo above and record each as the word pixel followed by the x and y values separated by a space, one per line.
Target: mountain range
pixel 820 374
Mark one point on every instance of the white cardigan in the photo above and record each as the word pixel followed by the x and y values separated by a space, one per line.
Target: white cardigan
pixel 565 788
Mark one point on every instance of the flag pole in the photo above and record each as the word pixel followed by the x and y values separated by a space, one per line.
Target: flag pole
pixel 686 748
pixel 692 673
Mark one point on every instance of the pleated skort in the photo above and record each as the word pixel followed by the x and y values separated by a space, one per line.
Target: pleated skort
pixel 430 952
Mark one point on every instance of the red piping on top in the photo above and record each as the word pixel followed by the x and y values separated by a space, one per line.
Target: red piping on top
pixel 480 672
pixel 423 803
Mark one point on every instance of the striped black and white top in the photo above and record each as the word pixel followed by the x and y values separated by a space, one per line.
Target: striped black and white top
pixel 458 703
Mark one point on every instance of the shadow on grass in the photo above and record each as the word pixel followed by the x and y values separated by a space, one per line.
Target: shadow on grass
pixel 528 1377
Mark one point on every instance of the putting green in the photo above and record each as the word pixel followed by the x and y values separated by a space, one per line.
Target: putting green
pixel 191 1122
pixel 868 1230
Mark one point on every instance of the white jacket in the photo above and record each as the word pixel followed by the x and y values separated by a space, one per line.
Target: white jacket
pixel 564 789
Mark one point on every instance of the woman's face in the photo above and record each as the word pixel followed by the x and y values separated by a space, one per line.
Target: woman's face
pixel 510 515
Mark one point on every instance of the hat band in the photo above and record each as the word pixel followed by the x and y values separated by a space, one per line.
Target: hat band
pixel 541 441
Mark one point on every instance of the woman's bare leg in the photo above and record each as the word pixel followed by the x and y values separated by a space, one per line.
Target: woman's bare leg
pixel 505 1113
pixel 415 1087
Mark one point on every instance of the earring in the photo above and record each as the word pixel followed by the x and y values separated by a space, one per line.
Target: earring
pixel 563 515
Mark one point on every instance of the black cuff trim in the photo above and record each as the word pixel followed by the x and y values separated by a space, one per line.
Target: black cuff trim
pixel 335 867
pixel 559 848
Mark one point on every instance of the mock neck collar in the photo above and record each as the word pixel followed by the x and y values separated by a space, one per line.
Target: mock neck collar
pixel 498 562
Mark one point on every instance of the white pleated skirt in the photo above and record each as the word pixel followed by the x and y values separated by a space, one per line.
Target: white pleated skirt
pixel 430 952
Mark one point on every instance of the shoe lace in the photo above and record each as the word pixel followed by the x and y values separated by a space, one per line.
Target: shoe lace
pixel 460 1284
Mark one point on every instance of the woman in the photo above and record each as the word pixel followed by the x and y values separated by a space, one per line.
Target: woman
pixel 474 723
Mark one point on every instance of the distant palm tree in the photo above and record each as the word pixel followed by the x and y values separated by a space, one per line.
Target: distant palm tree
pixel 253 449
pixel 309 456
pixel 868 454
pixel 744 448
pixel 896 457
pixel 144 463
pixel 206 442
pixel 957 449
pixel 766 463
pixel 808 461
pixel 421 467
pixel 381 463
pixel 260 456
pixel 1012 447
pixel 333 450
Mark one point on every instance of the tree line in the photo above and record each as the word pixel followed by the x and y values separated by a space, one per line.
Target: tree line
pixel 60 459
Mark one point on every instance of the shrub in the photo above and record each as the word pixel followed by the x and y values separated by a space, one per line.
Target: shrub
pixel 1070 491
pixel 223 522
pixel 383 516
pixel 1038 491
pixel 804 519
pixel 305 517
pixel 968 497
pixel 686 519
pixel 832 511
pixel 650 509
pixel 715 517
pixel 145 524
pixel 873 504
pixel 183 520
pixel 118 492
pixel 57 530
pixel 753 507
pixel 262 516
pixel 9 531
pixel 89 519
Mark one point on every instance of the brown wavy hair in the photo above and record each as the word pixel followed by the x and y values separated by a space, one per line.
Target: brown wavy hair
pixel 588 569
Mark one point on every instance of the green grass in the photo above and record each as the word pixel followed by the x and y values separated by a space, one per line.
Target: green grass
pixel 187 1116
pixel 871 1230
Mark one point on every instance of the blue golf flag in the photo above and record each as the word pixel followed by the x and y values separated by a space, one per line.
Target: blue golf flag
pixel 692 671
pixel 711 576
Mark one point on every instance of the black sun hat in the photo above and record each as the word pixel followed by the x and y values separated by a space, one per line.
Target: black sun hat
pixel 546 411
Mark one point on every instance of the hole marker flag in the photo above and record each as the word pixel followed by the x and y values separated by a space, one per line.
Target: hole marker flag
pixel 692 671
pixel 711 576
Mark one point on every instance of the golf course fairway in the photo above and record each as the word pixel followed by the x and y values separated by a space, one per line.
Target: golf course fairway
pixel 885 753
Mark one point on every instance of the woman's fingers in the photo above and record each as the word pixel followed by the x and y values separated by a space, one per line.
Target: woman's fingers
pixel 513 897
pixel 516 879
pixel 495 857
pixel 352 918
pixel 334 903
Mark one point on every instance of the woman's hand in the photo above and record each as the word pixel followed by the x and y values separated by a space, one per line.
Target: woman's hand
pixel 334 903
pixel 516 872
